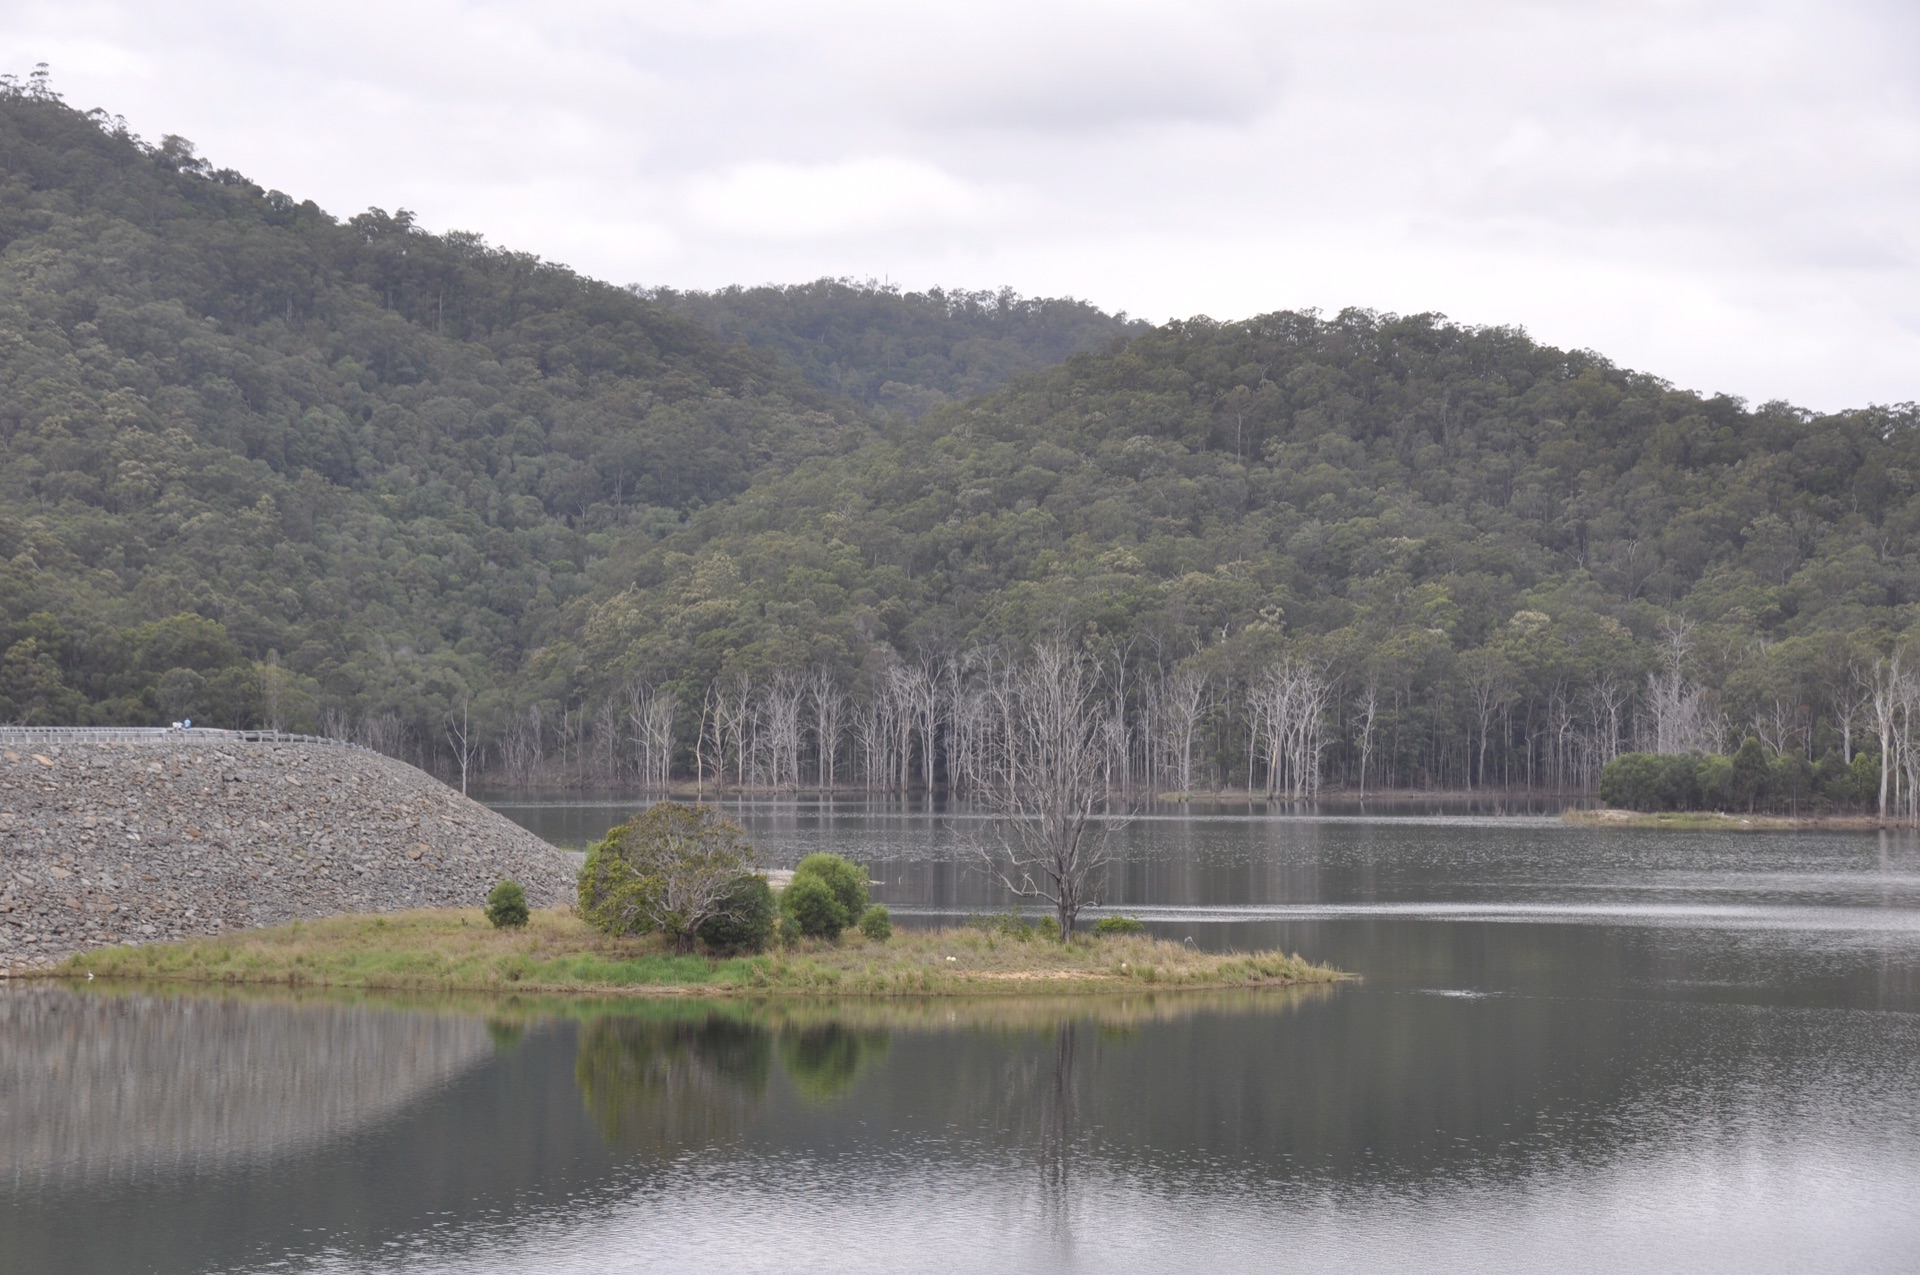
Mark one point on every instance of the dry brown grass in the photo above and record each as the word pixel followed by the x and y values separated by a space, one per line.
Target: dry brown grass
pixel 447 950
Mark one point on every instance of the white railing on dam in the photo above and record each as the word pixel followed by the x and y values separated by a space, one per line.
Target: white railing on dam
pixel 30 735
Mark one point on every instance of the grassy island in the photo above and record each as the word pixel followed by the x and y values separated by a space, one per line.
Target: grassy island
pixel 456 950
pixel 1720 821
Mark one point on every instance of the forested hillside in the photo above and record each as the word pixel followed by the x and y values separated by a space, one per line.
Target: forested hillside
pixel 266 467
pixel 260 464
pixel 903 352
pixel 1480 560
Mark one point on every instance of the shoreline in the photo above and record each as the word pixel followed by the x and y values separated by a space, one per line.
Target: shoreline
pixel 1692 820
pixel 678 791
pixel 454 950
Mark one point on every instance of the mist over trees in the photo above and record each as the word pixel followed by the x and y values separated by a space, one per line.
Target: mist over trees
pixel 267 467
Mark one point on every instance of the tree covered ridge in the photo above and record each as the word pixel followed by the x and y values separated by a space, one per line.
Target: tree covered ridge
pixel 1508 562
pixel 359 465
pixel 272 468
pixel 904 352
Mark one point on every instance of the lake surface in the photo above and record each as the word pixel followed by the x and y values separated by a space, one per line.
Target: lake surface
pixel 1570 1050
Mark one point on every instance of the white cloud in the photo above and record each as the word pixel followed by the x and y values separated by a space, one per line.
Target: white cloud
pixel 1723 192
pixel 813 201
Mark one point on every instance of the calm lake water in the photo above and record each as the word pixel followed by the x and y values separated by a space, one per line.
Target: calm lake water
pixel 1570 1050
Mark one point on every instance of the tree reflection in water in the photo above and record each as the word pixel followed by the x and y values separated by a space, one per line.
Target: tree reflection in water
pixel 1059 1130
pixel 823 1059
pixel 668 1085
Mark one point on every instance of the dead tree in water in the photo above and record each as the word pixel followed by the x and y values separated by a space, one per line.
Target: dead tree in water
pixel 1288 705
pixel 650 716
pixel 1178 705
pixel 783 708
pixel 1054 754
pixel 829 708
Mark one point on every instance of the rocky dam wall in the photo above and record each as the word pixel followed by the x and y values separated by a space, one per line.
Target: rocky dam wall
pixel 127 840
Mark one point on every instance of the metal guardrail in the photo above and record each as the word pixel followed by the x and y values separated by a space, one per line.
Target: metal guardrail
pixel 95 734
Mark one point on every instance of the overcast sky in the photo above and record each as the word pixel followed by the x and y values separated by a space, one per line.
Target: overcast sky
pixel 1726 194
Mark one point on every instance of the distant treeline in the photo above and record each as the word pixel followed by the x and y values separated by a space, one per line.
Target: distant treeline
pixel 261 466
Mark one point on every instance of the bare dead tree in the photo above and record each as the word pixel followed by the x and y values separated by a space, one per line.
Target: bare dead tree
pixel 894 696
pixel 964 711
pixel 1288 704
pixel 1368 709
pixel 524 744
pixel 1894 696
pixel 1056 802
pixel 781 708
pixel 1487 686
pixel 829 704
pixel 1180 705
pixel 921 691
pixel 466 750
pixel 1681 720
pixel 650 711
pixel 382 732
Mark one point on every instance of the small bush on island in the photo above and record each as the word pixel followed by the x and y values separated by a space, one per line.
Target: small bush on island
pixel 877 924
pixel 847 880
pixel 671 868
pixel 746 921
pixel 813 908
pixel 507 906
pixel 1118 925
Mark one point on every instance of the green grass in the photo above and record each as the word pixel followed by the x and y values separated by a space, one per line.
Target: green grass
pixel 447 950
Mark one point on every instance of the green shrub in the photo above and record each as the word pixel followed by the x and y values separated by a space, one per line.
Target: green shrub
pixel 1863 779
pixel 814 908
pixel 1715 782
pixel 877 924
pixel 1752 773
pixel 1119 925
pixel 507 906
pixel 846 879
pixel 1653 781
pixel 746 921
pixel 669 868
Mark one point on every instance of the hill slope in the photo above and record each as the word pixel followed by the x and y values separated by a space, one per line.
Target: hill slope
pixel 263 466
pixel 256 462
pixel 1490 542
pixel 903 352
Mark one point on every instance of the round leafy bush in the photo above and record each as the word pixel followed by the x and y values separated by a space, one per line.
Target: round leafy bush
pixel 846 879
pixel 814 907
pixel 507 906
pixel 668 868
pixel 746 921
pixel 877 924
pixel 1119 925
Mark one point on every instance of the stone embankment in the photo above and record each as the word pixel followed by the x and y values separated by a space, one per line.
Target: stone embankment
pixel 129 841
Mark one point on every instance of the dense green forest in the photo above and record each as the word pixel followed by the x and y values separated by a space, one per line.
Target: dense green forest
pixel 903 352
pixel 268 467
pixel 259 462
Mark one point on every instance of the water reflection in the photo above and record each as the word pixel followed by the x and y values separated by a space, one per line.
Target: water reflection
pixel 1570 1049
pixel 124 1088
pixel 822 1060
pixel 664 1085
